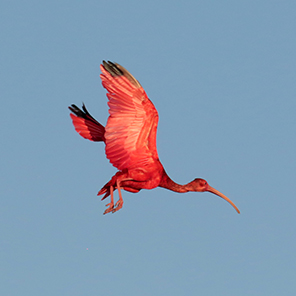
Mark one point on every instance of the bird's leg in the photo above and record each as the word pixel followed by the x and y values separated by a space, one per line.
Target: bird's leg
pixel 119 204
pixel 111 204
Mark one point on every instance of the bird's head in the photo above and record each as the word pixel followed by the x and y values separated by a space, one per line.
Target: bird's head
pixel 201 185
pixel 197 185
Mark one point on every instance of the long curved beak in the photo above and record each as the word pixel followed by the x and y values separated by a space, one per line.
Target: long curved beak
pixel 213 190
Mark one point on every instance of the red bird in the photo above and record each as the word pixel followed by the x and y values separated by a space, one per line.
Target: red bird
pixel 130 139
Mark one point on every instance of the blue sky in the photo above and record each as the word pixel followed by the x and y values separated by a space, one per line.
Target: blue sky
pixel 222 77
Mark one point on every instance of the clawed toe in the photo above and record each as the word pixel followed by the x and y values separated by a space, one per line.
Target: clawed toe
pixel 110 209
pixel 118 206
pixel 111 206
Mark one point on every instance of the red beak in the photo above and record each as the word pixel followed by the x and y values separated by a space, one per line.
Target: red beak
pixel 213 190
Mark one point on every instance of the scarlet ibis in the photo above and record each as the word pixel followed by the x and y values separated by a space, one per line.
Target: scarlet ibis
pixel 130 139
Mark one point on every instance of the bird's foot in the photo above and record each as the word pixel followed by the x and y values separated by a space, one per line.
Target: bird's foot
pixel 118 206
pixel 110 209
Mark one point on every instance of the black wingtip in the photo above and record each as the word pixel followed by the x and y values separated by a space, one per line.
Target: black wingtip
pixel 73 108
pixel 112 68
pixel 77 111
pixel 83 114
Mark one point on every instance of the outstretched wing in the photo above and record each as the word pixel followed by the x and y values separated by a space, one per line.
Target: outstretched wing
pixel 130 133
pixel 86 125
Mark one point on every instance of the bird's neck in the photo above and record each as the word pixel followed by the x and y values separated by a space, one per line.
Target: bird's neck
pixel 168 183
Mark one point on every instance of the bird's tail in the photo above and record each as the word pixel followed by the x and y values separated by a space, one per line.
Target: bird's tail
pixel 86 125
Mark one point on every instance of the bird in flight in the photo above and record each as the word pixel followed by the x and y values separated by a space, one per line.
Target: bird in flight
pixel 130 139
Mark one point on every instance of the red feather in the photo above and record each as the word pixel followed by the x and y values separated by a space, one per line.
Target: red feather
pixel 131 127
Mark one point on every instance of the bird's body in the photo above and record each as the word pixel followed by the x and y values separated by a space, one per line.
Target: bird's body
pixel 130 138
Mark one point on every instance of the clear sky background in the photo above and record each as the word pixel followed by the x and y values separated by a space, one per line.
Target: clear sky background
pixel 222 77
